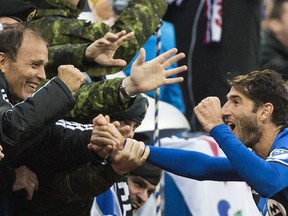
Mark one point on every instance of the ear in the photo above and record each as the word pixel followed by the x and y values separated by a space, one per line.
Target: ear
pixel 2 62
pixel 266 112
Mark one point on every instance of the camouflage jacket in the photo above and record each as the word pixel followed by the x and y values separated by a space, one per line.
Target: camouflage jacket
pixel 98 97
pixel 58 7
pixel 69 192
pixel 95 98
pixel 65 31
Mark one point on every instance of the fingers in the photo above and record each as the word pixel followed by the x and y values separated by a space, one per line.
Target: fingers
pixel 130 157
pixel 119 37
pixel 125 38
pixel 107 118
pixel 146 153
pixel 102 151
pixel 166 55
pixel 25 179
pixel 71 76
pixel 1 153
pixel 117 62
pixel 103 138
pixel 126 131
pixel 168 61
pixel 175 71
pixel 121 33
pixel 141 58
pixel 113 37
pixel 100 120
pixel 103 42
pixel 116 124
pixel 30 188
pixel 136 149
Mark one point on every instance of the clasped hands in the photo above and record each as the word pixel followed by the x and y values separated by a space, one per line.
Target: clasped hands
pixel 109 139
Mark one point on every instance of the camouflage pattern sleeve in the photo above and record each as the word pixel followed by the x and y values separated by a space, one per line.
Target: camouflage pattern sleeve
pixel 59 7
pixel 98 97
pixel 141 16
pixel 83 182
pixel 64 54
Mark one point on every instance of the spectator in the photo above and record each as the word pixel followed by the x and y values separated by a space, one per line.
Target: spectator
pixel 274 39
pixel 131 193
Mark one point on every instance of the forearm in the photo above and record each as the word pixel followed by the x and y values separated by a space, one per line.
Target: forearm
pixel 192 164
pixel 66 146
pixel 246 163
pixel 99 97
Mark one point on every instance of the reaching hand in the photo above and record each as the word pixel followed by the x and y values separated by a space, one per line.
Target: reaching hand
pixel 147 76
pixel 130 157
pixel 25 179
pixel 1 153
pixel 125 130
pixel 103 50
pixel 105 136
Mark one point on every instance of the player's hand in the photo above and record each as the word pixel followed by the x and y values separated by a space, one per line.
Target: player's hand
pixel 130 157
pixel 105 136
pixel 209 113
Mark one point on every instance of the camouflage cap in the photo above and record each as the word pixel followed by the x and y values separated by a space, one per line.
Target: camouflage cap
pixel 18 10
pixel 149 172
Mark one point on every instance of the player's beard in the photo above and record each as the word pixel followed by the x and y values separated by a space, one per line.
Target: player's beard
pixel 250 130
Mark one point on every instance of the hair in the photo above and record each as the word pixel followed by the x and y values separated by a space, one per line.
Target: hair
pixel 12 36
pixel 266 86
pixel 276 9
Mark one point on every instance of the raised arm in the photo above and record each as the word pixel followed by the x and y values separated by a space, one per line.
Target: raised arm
pixel 107 97
pixel 132 19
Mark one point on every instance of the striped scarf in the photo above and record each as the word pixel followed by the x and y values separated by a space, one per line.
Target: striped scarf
pixel 214 13
pixel 213 9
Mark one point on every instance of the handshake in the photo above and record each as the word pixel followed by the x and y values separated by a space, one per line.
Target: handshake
pixel 115 140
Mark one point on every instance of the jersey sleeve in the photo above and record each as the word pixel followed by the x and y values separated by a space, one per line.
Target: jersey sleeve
pixel 267 177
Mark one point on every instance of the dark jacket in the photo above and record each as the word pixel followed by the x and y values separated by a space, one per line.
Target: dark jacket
pixel 21 124
pixel 32 135
pixel 273 54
